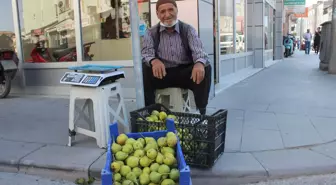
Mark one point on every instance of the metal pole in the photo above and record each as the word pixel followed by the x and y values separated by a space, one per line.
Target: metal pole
pixel 78 31
pixel 332 61
pixel 136 51
pixel 117 18
pixel 301 29
pixel 19 47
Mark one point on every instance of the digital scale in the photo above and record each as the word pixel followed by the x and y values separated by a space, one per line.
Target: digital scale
pixel 92 75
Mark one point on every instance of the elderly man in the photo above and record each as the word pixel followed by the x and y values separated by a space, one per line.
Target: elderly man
pixel 173 56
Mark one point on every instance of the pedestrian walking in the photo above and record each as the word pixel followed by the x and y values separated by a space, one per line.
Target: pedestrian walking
pixel 317 40
pixel 308 37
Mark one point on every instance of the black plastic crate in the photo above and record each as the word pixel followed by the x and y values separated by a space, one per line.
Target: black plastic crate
pixel 202 137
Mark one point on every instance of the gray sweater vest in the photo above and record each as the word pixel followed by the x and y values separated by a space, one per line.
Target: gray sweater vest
pixel 184 29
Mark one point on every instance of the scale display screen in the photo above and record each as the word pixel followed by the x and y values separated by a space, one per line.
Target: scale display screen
pixel 73 77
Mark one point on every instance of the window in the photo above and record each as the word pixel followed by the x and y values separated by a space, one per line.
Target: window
pixel 48 31
pixel 7 36
pixel 226 27
pixel 106 30
pixel 240 25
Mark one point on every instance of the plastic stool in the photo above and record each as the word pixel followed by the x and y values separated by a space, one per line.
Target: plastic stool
pixel 179 100
pixel 99 112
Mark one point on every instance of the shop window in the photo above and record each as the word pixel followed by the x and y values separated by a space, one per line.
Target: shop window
pixel 48 31
pixel 240 26
pixel 226 27
pixel 106 28
pixel 7 36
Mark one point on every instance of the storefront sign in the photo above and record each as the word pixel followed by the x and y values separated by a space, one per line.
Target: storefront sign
pixel 142 28
pixel 295 2
pixel 303 15
pixel 295 9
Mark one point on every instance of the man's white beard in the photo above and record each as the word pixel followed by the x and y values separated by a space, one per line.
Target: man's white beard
pixel 169 26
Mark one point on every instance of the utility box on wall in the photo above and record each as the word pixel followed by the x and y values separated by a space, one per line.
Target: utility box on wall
pixel 325 51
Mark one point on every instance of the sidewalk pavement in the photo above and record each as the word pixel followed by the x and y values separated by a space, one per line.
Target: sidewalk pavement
pixel 280 124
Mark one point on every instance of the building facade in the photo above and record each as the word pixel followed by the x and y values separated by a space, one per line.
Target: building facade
pixel 241 37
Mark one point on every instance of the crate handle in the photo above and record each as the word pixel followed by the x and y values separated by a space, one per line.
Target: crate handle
pixel 218 113
pixel 149 107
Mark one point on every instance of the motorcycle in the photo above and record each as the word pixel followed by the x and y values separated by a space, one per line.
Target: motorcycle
pixel 289 46
pixel 8 69
pixel 40 54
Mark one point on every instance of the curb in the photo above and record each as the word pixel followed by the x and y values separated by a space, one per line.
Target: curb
pixel 230 169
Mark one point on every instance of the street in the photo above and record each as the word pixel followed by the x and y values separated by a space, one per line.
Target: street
pixel 22 179
pixel 329 179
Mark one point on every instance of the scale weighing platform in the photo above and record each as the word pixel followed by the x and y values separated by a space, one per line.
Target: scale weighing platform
pixel 92 75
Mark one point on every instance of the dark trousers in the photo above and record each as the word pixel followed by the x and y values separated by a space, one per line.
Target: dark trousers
pixel 317 47
pixel 179 77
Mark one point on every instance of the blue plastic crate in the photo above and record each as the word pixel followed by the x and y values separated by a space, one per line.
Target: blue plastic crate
pixel 107 174
pixel 96 68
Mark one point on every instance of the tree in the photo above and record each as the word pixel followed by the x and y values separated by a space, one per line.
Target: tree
pixel 332 62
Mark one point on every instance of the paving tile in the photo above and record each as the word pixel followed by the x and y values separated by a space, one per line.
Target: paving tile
pixel 258 140
pixel 286 109
pixel 326 149
pixel 261 120
pixel 297 130
pixel 97 166
pixel 62 158
pixel 251 106
pixel 234 136
pixel 242 105
pixel 233 165
pixel 12 151
pixel 234 114
pixel 238 164
pixel 326 127
pixel 282 163
pixel 321 112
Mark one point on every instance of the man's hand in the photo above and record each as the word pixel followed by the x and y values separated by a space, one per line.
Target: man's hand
pixel 198 73
pixel 159 69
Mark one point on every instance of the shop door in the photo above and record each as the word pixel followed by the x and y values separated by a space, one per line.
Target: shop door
pixel 206 33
